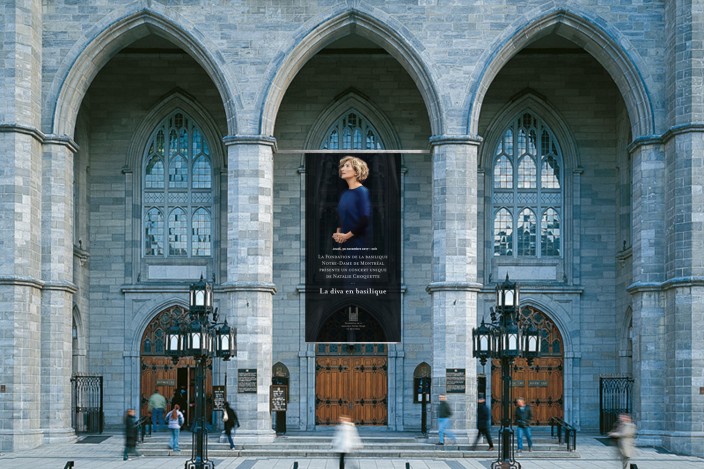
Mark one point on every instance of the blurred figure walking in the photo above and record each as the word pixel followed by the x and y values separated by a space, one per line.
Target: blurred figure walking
pixel 131 432
pixel 625 433
pixel 444 424
pixel 483 423
pixel 346 439
pixel 231 421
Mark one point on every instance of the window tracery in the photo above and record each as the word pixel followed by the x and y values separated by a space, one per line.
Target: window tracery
pixel 177 180
pixel 527 201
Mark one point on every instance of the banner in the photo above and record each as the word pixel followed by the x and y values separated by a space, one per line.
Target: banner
pixel 353 249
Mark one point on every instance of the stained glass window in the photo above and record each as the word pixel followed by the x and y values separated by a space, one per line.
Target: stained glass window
pixel 178 181
pixel 352 131
pixel 527 190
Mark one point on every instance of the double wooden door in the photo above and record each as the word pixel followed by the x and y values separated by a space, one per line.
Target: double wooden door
pixel 160 373
pixel 356 386
pixel 539 383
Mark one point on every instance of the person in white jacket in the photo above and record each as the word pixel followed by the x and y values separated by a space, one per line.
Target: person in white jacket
pixel 625 432
pixel 346 439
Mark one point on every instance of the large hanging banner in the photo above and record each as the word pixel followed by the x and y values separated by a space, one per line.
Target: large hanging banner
pixel 353 249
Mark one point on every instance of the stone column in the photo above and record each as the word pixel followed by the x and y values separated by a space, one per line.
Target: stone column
pixel 649 359
pixel 454 286
pixel 249 287
pixel 684 293
pixel 20 226
pixel 57 294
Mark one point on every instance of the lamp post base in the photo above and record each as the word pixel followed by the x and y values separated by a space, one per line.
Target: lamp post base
pixel 505 465
pixel 199 465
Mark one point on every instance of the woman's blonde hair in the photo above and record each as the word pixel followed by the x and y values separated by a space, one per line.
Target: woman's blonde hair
pixel 360 167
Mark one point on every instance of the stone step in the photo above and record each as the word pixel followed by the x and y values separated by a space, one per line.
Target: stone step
pixel 318 446
pixel 441 452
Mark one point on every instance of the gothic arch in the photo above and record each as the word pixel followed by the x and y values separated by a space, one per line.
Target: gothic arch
pixel 144 317
pixel 78 342
pixel 117 30
pixel 561 319
pixel 530 101
pixel 379 28
pixel 348 101
pixel 177 99
pixel 607 45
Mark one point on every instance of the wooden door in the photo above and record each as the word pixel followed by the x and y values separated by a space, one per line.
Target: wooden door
pixel 541 383
pixel 157 371
pixel 351 385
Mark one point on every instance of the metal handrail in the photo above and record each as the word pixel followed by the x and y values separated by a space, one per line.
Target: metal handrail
pixel 142 425
pixel 567 429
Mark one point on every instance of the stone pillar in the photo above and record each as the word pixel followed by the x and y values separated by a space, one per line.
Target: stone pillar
pixel 57 294
pixel 249 287
pixel 454 286
pixel 684 294
pixel 20 221
pixel 649 358
pixel 20 289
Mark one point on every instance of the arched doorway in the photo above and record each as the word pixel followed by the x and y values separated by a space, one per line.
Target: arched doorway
pixel 176 382
pixel 542 383
pixel 351 378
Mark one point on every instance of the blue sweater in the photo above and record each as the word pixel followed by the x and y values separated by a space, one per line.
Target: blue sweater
pixel 355 212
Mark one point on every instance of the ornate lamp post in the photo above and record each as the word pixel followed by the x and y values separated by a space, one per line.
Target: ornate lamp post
pixel 201 337
pixel 503 339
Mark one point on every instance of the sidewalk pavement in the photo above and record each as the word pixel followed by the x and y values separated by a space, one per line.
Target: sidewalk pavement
pixel 108 455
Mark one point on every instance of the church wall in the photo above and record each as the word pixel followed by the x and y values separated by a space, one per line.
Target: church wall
pixel 584 96
pixel 249 41
pixel 120 98
pixel 386 85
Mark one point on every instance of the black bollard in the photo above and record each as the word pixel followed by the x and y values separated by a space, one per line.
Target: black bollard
pixel 408 465
pixel 295 465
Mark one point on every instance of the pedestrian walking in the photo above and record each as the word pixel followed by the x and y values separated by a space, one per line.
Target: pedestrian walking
pixel 229 416
pixel 483 423
pixel 157 407
pixel 175 420
pixel 131 432
pixel 523 416
pixel 346 439
pixel 625 433
pixel 444 423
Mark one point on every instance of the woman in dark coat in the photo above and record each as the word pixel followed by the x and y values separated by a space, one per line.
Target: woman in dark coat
pixel 230 422
pixel 131 432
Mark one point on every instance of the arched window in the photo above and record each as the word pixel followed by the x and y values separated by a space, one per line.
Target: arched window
pixel 177 190
pixel 352 131
pixel 527 190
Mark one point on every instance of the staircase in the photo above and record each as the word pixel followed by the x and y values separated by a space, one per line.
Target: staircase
pixel 377 444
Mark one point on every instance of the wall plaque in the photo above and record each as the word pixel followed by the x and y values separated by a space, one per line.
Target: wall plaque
pixel 218 397
pixel 247 381
pixel 455 380
pixel 277 398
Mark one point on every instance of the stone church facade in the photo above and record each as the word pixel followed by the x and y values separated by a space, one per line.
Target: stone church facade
pixel 147 143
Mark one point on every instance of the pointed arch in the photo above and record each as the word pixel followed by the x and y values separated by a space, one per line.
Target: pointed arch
pixel 607 45
pixel 379 28
pixel 532 102
pixel 349 101
pixel 117 30
pixel 177 99
pixel 145 316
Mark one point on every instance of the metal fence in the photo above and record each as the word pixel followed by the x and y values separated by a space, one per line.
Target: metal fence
pixel 87 404
pixel 615 397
